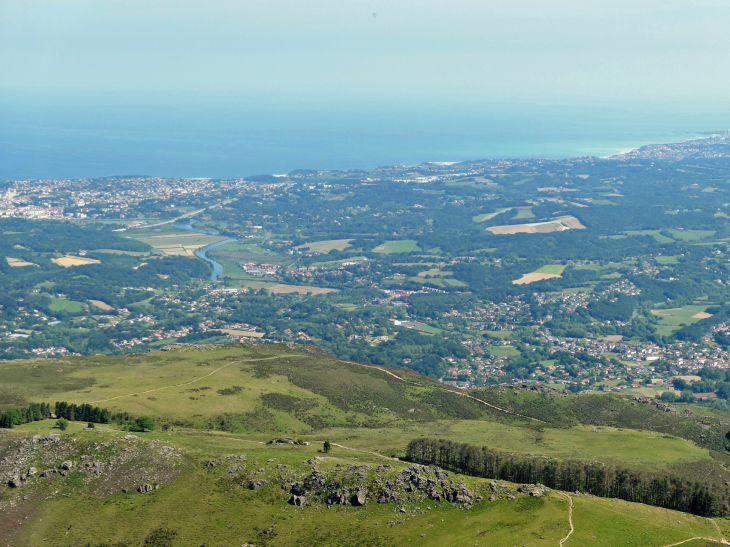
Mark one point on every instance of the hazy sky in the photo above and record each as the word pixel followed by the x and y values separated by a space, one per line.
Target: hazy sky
pixel 673 51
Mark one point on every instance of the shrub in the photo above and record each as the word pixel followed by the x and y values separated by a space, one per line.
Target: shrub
pixel 143 423
pixel 62 424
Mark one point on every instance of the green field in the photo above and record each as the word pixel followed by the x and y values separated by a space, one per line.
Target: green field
pixel 401 246
pixel 654 233
pixel 673 319
pixel 61 304
pixel 551 269
pixel 503 351
pixel 676 235
pixel 326 246
pixel 523 212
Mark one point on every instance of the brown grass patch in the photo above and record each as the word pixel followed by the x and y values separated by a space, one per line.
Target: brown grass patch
pixel 532 277
pixel 613 338
pixel 243 333
pixel 556 225
pixel 326 246
pixel 71 260
pixel 101 305
pixel 18 262
pixel 701 315
pixel 288 289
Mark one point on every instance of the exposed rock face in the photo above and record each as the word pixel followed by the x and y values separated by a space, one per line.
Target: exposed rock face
pixel 144 488
pixel 459 494
pixel 297 500
pixel 282 440
pixel 536 490
pixel 337 498
pixel 256 484
pixel 315 481
pixel 499 488
pixel 358 499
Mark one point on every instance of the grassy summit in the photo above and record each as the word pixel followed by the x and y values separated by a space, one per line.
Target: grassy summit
pixel 220 405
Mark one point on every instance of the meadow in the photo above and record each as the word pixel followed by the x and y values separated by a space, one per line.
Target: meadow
pixel 230 400
pixel 326 246
pixel 401 246
pixel 225 513
pixel 674 319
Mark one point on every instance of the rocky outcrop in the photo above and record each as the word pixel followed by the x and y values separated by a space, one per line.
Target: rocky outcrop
pixel 255 484
pixel 337 498
pixel 459 494
pixel 535 490
pixel 297 500
pixel 358 499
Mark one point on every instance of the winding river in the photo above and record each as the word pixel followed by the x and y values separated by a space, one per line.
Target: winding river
pixel 187 224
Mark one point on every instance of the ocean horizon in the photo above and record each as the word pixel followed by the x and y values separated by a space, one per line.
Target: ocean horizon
pixel 46 135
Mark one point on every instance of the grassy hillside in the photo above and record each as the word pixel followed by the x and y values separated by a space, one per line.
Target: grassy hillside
pixel 200 496
pixel 222 401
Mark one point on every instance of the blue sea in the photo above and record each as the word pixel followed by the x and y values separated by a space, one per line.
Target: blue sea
pixel 82 134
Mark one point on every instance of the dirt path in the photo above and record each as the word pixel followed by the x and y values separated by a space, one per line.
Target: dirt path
pixel 185 383
pixel 570 521
pixel 721 541
pixel 451 391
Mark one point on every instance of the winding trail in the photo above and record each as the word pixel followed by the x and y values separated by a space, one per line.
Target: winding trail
pixel 570 521
pixel 187 383
pixel 448 390
pixel 721 541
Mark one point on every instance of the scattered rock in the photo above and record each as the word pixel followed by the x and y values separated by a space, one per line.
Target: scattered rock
pixel 14 482
pixel 66 466
pixel 144 488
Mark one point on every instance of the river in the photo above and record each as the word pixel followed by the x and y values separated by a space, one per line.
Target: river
pixel 202 252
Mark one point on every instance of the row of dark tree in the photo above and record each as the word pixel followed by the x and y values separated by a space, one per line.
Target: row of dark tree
pixel 658 489
pixel 42 411
pixel 17 416
pixel 82 413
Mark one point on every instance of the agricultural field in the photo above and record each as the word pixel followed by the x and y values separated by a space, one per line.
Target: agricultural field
pixel 180 244
pixel 549 271
pixel 487 216
pixel 523 212
pixel 101 305
pixel 556 225
pixel 18 263
pixel 674 319
pixel 402 246
pixel 61 304
pixel 71 260
pixel 326 246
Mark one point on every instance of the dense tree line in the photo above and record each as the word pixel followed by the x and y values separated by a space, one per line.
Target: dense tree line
pixel 82 413
pixel 658 489
pixel 31 413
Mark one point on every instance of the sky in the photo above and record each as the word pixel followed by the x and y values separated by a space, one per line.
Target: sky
pixel 560 51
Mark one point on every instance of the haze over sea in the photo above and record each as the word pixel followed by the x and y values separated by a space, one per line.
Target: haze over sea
pixel 82 135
